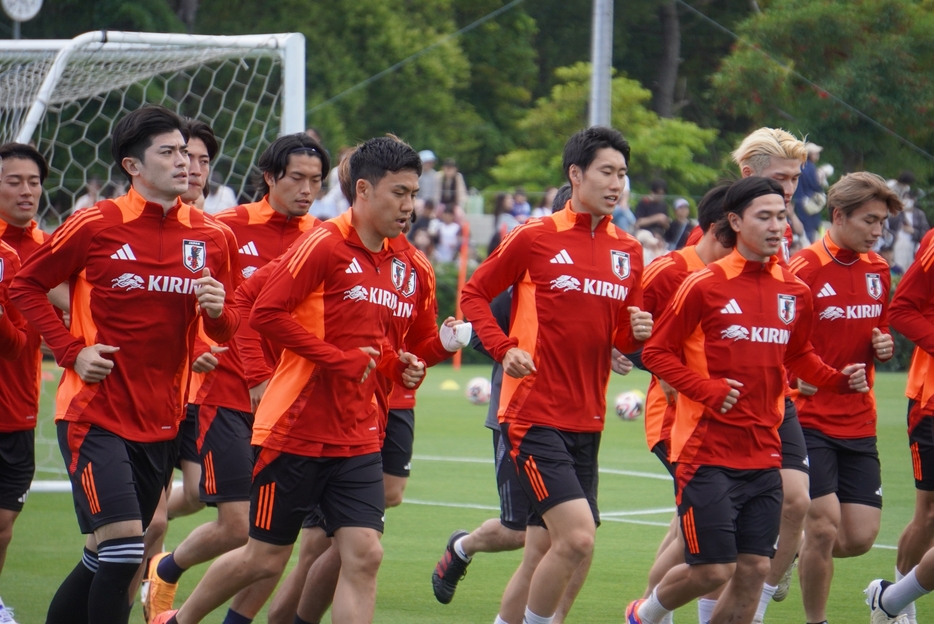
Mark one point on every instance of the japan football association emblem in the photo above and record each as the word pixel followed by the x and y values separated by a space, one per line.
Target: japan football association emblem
pixel 193 255
pixel 398 273
pixel 874 285
pixel 786 308
pixel 410 284
pixel 620 262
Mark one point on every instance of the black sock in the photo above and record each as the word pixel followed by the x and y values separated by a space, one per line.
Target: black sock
pixel 168 570
pixel 70 603
pixel 108 597
pixel 299 620
pixel 235 618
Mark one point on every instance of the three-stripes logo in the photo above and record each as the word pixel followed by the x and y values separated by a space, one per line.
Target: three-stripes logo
pixel 689 530
pixel 90 489
pixel 535 479
pixel 354 267
pixel 267 496
pixel 249 249
pixel 124 253
pixel 826 291
pixel 563 257
pixel 731 308
pixel 210 483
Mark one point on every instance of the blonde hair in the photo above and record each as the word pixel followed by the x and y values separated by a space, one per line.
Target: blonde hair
pixel 343 175
pixel 757 149
pixel 855 189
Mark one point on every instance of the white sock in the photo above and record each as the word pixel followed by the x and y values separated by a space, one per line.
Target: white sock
pixel 459 549
pixel 668 619
pixel 499 620
pixel 898 596
pixel 910 610
pixel 651 610
pixel 767 592
pixel 531 618
pixel 705 607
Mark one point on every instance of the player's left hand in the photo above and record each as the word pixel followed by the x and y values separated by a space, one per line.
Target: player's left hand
pixel 641 323
pixel 806 389
pixel 414 370
pixel 620 364
pixel 256 394
pixel 883 344
pixel 857 375
pixel 210 294
pixel 671 395
pixel 454 334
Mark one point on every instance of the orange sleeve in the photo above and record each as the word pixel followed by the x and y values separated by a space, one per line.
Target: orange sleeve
pixel 249 342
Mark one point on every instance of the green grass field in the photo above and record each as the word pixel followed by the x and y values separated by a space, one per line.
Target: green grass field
pixel 453 486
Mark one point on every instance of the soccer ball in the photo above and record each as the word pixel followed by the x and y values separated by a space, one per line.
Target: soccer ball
pixel 630 405
pixel 478 391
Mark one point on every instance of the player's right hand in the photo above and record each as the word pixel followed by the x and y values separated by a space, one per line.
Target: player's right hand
pixel 256 394
pixel 373 353
pixel 91 366
pixel 732 397
pixel 857 375
pixel 806 389
pixel 206 362
pixel 414 370
pixel 671 395
pixel 518 363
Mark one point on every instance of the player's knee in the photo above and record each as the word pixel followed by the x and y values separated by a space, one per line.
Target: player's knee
pixel 393 497
pixel 366 559
pixel 577 545
pixel 714 575
pixel 754 569
pixel 821 533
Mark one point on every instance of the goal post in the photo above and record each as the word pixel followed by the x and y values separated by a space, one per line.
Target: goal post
pixel 65 96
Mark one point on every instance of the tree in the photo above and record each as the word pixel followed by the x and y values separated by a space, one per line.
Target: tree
pixel 875 55
pixel 660 147
pixel 64 19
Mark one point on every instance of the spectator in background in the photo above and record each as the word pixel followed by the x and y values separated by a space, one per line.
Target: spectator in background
pixel 333 202
pixel 902 185
pixel 652 211
pixel 453 187
pixel 314 134
pixel 503 221
pixel 429 183
pixel 544 206
pixel 653 245
pixel 425 220
pixel 521 209
pixel 908 228
pixel 91 195
pixel 449 236
pixel 809 198
pixel 221 196
pixel 677 235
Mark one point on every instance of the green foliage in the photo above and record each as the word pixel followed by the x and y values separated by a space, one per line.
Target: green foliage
pixel 64 19
pixel 660 147
pixel 877 55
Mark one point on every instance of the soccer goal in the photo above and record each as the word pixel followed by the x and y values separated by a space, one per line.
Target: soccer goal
pixel 65 96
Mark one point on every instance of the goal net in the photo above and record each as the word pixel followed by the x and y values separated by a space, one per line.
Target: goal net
pixel 65 96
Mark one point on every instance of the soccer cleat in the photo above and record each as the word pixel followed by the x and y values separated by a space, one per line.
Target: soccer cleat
pixel 161 594
pixel 449 571
pixel 632 612
pixel 6 615
pixel 164 617
pixel 878 615
pixel 784 585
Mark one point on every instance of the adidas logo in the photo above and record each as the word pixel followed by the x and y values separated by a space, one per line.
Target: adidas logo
pixel 826 291
pixel 249 249
pixel 354 267
pixel 562 258
pixel 124 253
pixel 731 308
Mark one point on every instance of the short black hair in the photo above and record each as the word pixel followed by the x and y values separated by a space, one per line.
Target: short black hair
pixel 582 148
pixel 133 134
pixel 659 186
pixel 738 197
pixel 21 151
pixel 197 129
pixel 381 155
pixel 710 208
pixel 275 158
pixel 906 177
pixel 561 198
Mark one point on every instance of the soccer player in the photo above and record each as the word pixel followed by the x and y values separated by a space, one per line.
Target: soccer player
pixel 723 343
pixel 558 266
pixel 292 169
pixel 850 287
pixel 317 426
pixel 141 270
pixel 22 172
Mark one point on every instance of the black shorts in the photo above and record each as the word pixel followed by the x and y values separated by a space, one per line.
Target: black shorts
pixel 17 467
pixel 662 452
pixel 725 512
pixel 315 519
pixel 848 468
pixel 554 466
pixel 113 479
pixel 187 439
pixel 514 506
pixel 286 488
pixel 921 442
pixel 225 454
pixel 794 448
pixel 397 446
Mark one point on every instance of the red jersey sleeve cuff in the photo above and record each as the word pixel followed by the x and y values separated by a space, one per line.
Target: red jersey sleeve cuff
pixel 499 351
pixel 66 357
pixel 223 328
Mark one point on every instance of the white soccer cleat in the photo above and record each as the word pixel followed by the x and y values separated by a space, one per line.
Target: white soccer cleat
pixel 6 615
pixel 784 584
pixel 878 615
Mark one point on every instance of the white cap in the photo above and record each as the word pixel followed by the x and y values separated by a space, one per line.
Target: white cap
pixel 427 155
pixel 682 202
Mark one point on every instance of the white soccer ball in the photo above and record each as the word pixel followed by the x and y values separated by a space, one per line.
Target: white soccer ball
pixel 478 391
pixel 630 405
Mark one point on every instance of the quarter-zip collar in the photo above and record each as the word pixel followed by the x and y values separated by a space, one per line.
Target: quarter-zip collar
pixel 567 218
pixel 840 254
pixel 735 264
pixel 391 246
pixel 137 206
